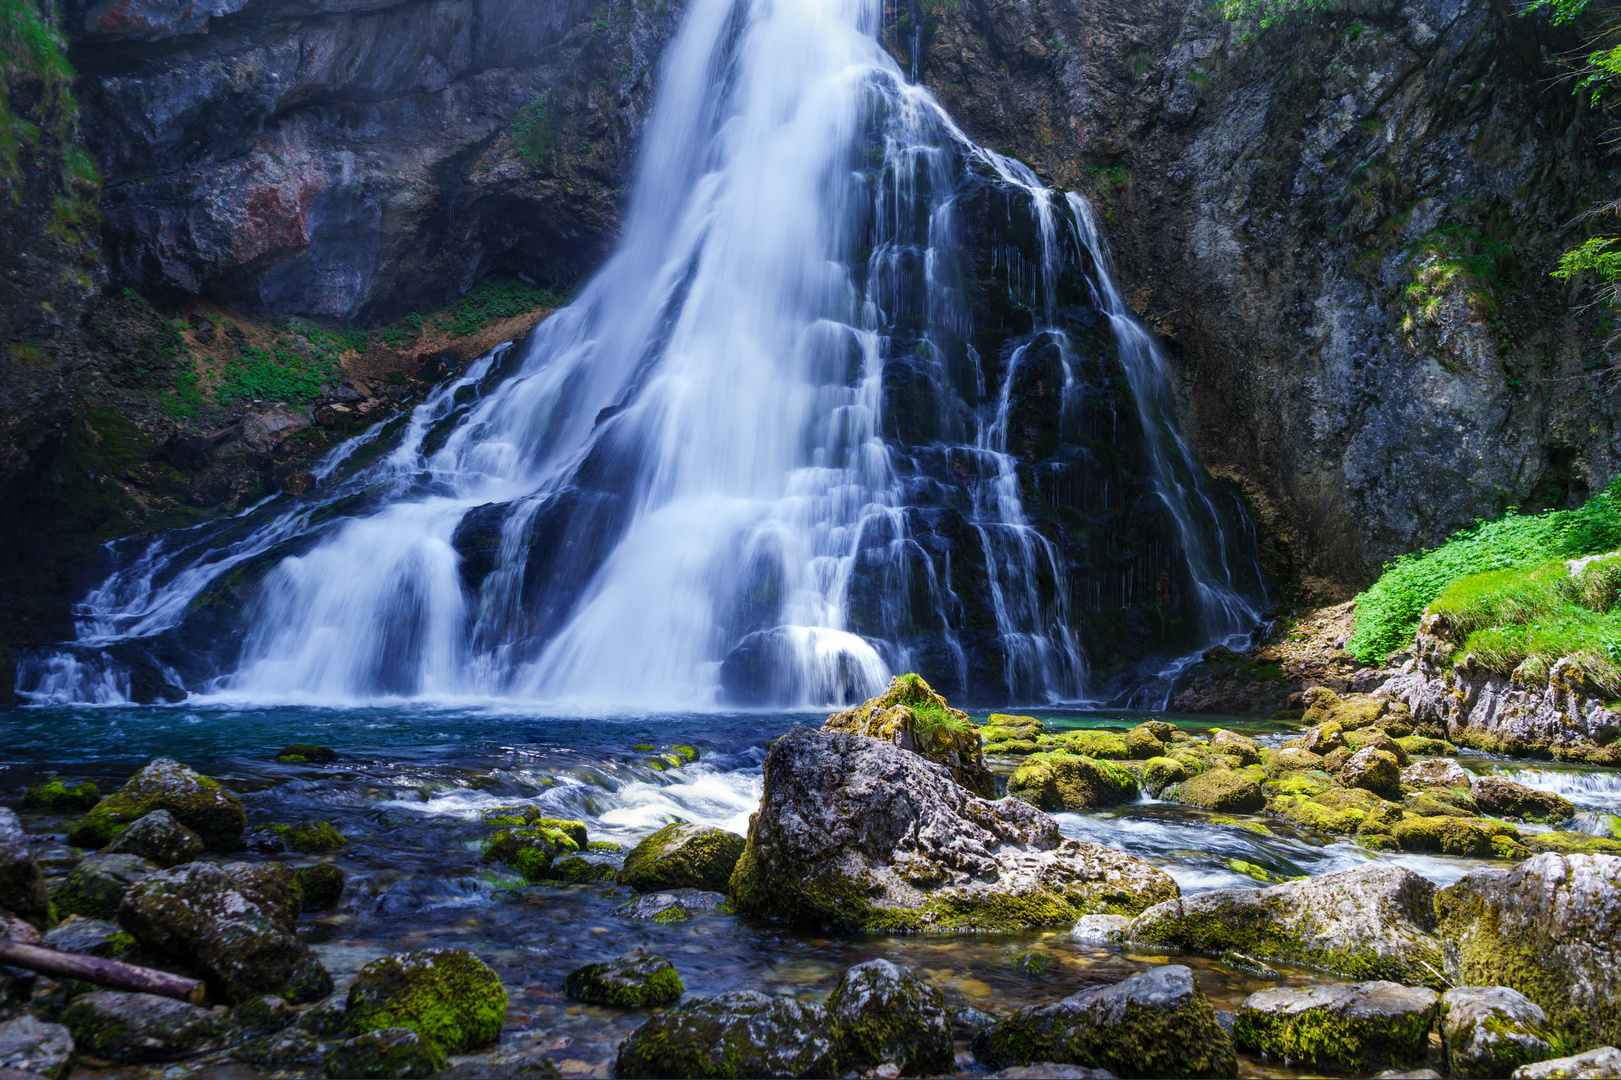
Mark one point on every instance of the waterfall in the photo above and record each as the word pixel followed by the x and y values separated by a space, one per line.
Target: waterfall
pixel 849 399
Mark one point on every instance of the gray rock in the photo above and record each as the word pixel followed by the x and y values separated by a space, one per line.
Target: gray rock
pixel 1155 1023
pixel 854 833
pixel 385 1054
pixel 1363 1026
pixel 241 937
pixel 159 838
pixel 97 885
pixel 1242 747
pixel 30 1045
pixel 131 1028
pixel 326 1017
pixel 1547 929
pixel 1603 1063
pixel 292 1048
pixel 22 887
pixel 1375 770
pixel 1435 773
pixel 92 937
pixel 1407 1074
pixel 1489 1031
pixel 672 906
pixel 263 1016
pixel 1373 919
pixel 503 1067
pixel 1100 929
pixel 885 1014
pixel 1505 798
pixel 739 1034
pixel 1046 1070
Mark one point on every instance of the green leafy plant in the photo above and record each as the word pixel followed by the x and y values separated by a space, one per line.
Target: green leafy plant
pixel 534 129
pixel 489 302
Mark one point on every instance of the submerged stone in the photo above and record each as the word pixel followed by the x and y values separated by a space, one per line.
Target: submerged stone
pixel 448 996
pixel 310 836
pixel 1362 1026
pixel 158 838
pixel 306 753
pixel 1489 1031
pixel 885 1014
pixel 1375 921
pixel 855 833
pixel 1100 929
pixel 676 905
pixel 912 716
pixel 131 1028
pixel 393 1053
pixel 682 856
pixel 738 1034
pixel 631 981
pixel 197 802
pixel 1155 1023
pixel 59 795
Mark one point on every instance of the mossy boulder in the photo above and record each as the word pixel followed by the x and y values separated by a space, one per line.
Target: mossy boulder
pixel 1571 843
pixel 683 856
pixel 196 801
pixel 90 937
pixel 1351 711
pixel 1447 802
pixel 1546 928
pixel 1142 744
pixel 1160 773
pixel 320 886
pixel 127 1029
pixel 449 997
pixel 30 1048
pixel 233 924
pixel 97 885
pixel 1101 745
pixel 528 815
pixel 1362 1026
pixel 1375 921
pixel 1423 746
pixel 1155 1023
pixel 530 850
pixel 1280 763
pixel 1489 1031
pixel 912 716
pixel 62 796
pixel 1338 810
pixel 855 833
pixel 1505 798
pixel 263 1016
pixel 22 886
pixel 1322 740
pixel 158 838
pixel 885 1014
pixel 1378 740
pixel 633 981
pixel 1434 773
pixel 1067 782
pixel 310 836
pixel 1375 770
pixel 384 1054
pixel 738 1034
pixel 579 870
pixel 1227 791
pixel 1455 835
pixel 306 754
pixel 1231 744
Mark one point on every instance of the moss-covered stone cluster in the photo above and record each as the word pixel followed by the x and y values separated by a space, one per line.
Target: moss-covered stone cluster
pixel 540 848
pixel 197 802
pixel 449 997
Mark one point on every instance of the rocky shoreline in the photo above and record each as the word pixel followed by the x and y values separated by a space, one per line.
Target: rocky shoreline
pixel 863 826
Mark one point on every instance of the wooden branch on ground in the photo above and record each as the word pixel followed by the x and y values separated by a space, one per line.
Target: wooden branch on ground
pixel 95 969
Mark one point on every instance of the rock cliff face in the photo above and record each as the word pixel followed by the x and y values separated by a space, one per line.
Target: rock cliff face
pixel 355 160
pixel 1343 225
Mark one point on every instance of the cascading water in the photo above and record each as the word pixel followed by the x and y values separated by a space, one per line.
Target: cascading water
pixel 847 400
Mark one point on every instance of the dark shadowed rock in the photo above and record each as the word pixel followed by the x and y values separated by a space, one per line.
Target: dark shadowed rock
pixel 22 887
pixel 92 937
pixel 132 1028
pixel 157 837
pixel 631 981
pixel 394 1053
pixel 196 801
pixel 739 1034
pixel 1361 1026
pixel 1153 1024
pixel 97 885
pixel 886 1014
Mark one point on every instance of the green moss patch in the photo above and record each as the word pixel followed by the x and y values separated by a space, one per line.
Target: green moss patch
pixel 449 997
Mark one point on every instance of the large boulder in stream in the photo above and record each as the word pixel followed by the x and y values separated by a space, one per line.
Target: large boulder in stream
pixel 1376 921
pixel 1546 928
pixel 449 997
pixel 885 1014
pixel 683 856
pixel 1360 1027
pixel 913 717
pixel 198 802
pixel 744 1033
pixel 233 924
pixel 855 833
pixel 1489 1031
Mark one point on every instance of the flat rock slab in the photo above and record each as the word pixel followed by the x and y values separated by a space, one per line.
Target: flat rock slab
pixel 1376 919
pixel 1362 1026
pixel 1490 1031
pixel 1603 1063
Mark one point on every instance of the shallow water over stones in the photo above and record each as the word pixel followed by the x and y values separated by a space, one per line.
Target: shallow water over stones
pixel 411 783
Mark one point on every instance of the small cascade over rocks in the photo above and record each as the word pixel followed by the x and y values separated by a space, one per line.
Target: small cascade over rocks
pixel 854 396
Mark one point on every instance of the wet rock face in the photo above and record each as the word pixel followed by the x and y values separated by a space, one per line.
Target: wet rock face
pixel 1491 1030
pixel 913 717
pixel 1372 921
pixel 855 833
pixel 1268 216
pixel 683 856
pixel 738 1034
pixel 131 1028
pixel 887 1015
pixel 349 161
pixel 1545 928
pixel 1156 1023
pixel 1363 1026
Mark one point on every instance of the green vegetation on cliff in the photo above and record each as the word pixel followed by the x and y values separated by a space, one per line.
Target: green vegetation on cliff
pixel 1511 549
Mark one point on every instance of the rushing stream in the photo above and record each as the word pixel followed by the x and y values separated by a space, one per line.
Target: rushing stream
pixel 412 780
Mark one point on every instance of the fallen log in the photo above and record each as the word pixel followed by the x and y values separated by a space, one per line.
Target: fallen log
pixel 102 972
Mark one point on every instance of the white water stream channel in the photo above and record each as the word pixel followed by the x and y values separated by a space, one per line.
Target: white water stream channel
pixel 689 472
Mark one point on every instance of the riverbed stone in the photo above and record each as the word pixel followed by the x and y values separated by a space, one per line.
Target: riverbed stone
pixel 1600 1063
pixel 532 847
pixel 1489 1031
pixel 682 856
pixel 198 802
pixel 306 754
pixel 29 1045
pixel 392 1053
pixel 1546 928
pixel 1100 929
pixel 97 885
pixel 1159 773
pixel 62 795
pixel 231 924
pixel 885 1014
pixel 1156 1023
pixel 855 833
pixel 1375 770
pixel 320 886
pixel 290 1049
pixel 125 1029
pixel 1227 791
pixel 1453 834
pixel 674 905
pixel 1360 1026
pixel 22 886
pixel 263 1016
pixel 632 981
pixel 158 838
pixel 1375 921
pixel 1322 740
pixel 310 836
pixel 1142 744
pixel 912 716
pixel 1234 745
pixel 1048 1070
pixel 1505 798
pixel 450 997
pixel 1055 782
pixel 1347 810
pixel 744 1033
pixel 89 937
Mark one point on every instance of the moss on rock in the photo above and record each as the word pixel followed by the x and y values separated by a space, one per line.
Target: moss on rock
pixel 1338 810
pixel 1068 782
pixel 1362 1027
pixel 885 1013
pixel 683 856
pixel 1453 835
pixel 57 794
pixel 197 802
pixel 912 716
pixel 733 1035
pixel 449 997
pixel 306 753
pixel 1228 791
pixel 310 836
pixel 385 1054
pixel 632 981
pixel 96 887
pixel 1160 773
